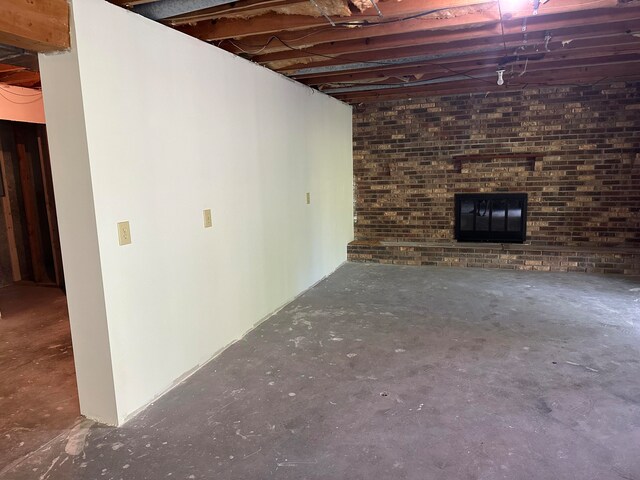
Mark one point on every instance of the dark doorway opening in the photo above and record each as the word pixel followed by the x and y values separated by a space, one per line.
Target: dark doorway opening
pixel 29 230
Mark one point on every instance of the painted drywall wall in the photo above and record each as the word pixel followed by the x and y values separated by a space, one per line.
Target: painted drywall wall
pixel 174 126
pixel 21 104
pixel 71 173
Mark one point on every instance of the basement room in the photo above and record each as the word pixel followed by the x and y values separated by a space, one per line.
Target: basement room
pixel 320 239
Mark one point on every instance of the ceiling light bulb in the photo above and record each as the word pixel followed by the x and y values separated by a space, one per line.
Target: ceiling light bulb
pixel 500 79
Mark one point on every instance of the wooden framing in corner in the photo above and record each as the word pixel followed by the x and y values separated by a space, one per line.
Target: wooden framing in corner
pixel 8 216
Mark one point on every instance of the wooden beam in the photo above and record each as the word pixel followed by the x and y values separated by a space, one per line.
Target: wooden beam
pixel 372 49
pixel 4 68
pixel 41 26
pixel 436 31
pixel 570 76
pixel 8 217
pixel 629 58
pixel 374 59
pixel 267 44
pixel 273 22
pixel 32 218
pixel 594 39
pixel 419 32
pixel 603 53
pixel 22 78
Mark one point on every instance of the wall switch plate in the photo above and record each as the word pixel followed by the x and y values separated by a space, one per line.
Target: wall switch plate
pixel 308 198
pixel 208 221
pixel 124 233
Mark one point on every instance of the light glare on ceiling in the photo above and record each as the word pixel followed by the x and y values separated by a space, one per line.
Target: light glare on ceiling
pixel 511 6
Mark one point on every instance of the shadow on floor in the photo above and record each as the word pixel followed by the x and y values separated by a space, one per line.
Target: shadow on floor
pixel 38 393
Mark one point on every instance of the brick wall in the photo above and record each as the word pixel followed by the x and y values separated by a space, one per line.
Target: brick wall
pixel 584 192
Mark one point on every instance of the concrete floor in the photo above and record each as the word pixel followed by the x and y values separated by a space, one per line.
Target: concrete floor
pixel 38 393
pixel 390 372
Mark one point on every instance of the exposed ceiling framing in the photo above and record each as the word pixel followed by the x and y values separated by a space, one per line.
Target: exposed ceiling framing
pixel 18 67
pixel 27 27
pixel 366 50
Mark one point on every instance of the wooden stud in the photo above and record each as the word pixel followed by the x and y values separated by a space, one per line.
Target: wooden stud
pixel 30 209
pixel 8 216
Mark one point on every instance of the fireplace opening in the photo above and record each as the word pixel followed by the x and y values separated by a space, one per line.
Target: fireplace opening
pixel 491 217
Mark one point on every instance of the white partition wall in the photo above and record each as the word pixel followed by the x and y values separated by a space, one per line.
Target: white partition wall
pixel 150 126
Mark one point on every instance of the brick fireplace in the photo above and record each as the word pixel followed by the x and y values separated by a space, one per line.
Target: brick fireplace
pixel 575 152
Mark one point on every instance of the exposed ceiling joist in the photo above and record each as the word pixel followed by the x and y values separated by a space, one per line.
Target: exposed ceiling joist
pixel 615 46
pixel 41 26
pixel 423 33
pixel 568 76
pixel 386 53
pixel 370 38
pixel 275 22
pixel 418 46
pixel 476 70
pixel 24 78
pixel 288 41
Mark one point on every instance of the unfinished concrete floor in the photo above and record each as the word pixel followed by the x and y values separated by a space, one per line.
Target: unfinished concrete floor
pixel 38 393
pixel 390 372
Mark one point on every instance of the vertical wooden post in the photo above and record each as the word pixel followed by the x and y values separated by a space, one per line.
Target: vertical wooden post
pixel 30 209
pixel 8 216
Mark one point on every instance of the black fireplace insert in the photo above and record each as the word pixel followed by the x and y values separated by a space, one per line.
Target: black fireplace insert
pixel 491 217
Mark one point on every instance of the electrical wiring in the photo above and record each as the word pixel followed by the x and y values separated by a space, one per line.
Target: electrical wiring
pixel 37 94
pixel 346 25
pixel 504 43
pixel 435 64
pixel 508 83
pixel 512 81
pixel 403 84
pixel 39 99
pixel 257 52
pixel 370 62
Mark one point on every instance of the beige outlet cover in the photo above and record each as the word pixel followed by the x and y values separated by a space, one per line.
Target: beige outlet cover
pixel 124 233
pixel 208 221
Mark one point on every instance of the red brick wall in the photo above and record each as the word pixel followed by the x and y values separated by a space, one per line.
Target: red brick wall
pixel 584 193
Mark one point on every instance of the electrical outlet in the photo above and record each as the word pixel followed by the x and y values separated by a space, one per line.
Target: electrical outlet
pixel 208 221
pixel 124 233
pixel 308 198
